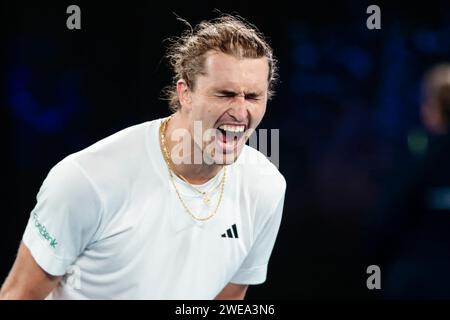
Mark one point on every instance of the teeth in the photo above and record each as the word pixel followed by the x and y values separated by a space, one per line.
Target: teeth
pixel 232 128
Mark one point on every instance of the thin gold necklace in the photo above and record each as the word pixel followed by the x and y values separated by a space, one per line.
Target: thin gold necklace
pixel 166 156
pixel 204 194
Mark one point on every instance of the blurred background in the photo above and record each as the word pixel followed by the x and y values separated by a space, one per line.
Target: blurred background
pixel 353 145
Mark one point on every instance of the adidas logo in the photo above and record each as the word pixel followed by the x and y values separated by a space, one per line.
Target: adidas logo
pixel 231 232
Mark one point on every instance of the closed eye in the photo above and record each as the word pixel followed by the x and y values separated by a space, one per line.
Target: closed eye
pixel 252 97
pixel 227 94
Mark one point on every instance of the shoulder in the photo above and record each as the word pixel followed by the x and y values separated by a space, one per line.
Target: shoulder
pixel 115 155
pixel 119 142
pixel 68 191
pixel 260 175
pixel 67 178
pixel 109 165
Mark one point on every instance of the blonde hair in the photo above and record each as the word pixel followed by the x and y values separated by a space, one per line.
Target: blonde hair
pixel 228 34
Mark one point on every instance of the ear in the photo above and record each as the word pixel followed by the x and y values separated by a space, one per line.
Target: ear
pixel 184 94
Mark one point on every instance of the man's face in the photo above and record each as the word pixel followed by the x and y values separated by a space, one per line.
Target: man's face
pixel 230 100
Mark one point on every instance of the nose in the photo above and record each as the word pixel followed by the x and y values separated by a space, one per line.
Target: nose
pixel 239 110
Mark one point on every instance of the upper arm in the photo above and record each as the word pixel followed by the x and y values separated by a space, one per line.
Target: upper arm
pixel 64 220
pixel 232 291
pixel 62 223
pixel 27 280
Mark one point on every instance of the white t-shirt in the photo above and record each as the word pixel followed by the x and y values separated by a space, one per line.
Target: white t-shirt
pixel 108 219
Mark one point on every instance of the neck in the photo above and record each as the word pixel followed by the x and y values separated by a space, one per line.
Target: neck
pixel 192 172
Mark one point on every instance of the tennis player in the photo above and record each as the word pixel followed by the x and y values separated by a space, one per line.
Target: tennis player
pixel 174 208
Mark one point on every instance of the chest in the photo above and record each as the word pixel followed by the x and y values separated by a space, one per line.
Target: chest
pixel 157 244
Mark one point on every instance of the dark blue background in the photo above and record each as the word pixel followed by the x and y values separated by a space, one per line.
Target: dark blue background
pixel 347 102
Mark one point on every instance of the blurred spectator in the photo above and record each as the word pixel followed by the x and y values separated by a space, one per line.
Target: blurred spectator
pixel 410 227
pixel 436 105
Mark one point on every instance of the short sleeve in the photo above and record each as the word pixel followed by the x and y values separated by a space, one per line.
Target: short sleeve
pixel 64 219
pixel 254 268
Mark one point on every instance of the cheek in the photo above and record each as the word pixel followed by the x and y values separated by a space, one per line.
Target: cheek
pixel 263 110
pixel 202 108
pixel 209 112
pixel 215 109
pixel 205 106
pixel 257 113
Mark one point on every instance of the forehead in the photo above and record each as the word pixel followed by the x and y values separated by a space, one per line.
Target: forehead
pixel 222 69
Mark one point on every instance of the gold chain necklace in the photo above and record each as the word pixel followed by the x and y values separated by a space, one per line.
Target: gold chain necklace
pixel 166 156
pixel 204 194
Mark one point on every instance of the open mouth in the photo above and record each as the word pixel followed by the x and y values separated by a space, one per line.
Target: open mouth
pixel 229 135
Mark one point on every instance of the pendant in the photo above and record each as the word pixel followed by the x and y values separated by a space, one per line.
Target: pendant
pixel 206 199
